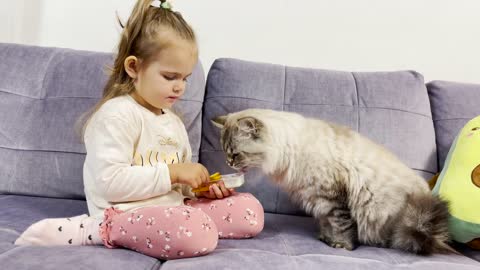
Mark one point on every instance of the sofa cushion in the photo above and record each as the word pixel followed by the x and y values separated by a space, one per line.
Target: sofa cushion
pixel 43 91
pixel 18 212
pixel 453 105
pixel 471 253
pixel 287 242
pixel 391 108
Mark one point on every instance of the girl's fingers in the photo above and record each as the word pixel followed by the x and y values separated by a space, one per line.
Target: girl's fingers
pixel 206 175
pixel 194 184
pixel 218 193
pixel 224 190
pixel 211 193
pixel 200 182
pixel 204 194
pixel 208 195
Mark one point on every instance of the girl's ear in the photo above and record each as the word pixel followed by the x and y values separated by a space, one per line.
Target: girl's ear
pixel 131 66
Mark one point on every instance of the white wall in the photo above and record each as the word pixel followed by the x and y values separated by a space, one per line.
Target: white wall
pixel 440 39
pixel 20 20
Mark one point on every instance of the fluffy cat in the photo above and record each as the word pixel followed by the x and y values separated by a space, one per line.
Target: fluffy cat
pixel 357 191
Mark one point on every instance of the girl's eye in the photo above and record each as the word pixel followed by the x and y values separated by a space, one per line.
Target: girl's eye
pixel 169 78
pixel 475 128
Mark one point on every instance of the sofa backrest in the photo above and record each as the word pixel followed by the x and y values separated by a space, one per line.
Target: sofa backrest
pixel 391 108
pixel 43 91
pixel 453 105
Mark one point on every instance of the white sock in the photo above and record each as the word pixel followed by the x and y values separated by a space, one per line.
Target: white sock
pixel 79 230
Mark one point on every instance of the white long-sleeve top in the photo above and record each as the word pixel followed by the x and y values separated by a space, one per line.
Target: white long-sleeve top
pixel 128 149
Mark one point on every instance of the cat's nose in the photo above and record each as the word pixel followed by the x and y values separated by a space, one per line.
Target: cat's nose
pixel 230 162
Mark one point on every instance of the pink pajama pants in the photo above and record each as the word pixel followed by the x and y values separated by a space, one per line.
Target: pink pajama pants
pixel 184 231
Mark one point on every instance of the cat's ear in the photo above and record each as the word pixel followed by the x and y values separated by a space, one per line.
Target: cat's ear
pixel 219 121
pixel 250 125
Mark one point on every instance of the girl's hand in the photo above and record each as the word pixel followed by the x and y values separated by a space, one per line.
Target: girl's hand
pixel 216 191
pixel 191 174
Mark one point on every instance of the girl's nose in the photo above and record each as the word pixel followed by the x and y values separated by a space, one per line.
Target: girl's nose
pixel 179 87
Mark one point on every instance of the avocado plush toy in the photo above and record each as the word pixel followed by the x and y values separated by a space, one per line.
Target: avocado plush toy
pixel 459 184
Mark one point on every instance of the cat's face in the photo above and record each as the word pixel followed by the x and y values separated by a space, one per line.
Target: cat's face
pixel 242 140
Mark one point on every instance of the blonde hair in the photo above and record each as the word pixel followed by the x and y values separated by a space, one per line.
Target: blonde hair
pixel 147 31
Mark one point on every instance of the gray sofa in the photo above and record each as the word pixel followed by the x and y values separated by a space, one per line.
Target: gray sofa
pixel 44 90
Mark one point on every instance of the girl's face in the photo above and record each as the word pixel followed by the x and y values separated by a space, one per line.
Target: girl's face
pixel 161 82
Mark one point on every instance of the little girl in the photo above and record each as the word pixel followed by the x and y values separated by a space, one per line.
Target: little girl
pixel 137 173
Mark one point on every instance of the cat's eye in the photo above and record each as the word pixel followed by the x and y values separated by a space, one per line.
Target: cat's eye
pixel 234 155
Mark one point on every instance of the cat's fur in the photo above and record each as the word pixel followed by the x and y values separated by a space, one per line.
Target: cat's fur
pixel 357 191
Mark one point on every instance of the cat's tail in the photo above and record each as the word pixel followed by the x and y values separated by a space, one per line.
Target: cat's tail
pixel 422 226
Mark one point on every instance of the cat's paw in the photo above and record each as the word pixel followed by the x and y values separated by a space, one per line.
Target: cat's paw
pixel 347 246
pixel 336 244
pixel 339 243
pixel 323 238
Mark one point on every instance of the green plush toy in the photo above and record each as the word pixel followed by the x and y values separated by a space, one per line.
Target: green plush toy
pixel 459 184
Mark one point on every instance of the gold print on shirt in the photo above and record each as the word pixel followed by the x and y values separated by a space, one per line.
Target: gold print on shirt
pixel 167 141
pixel 168 153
